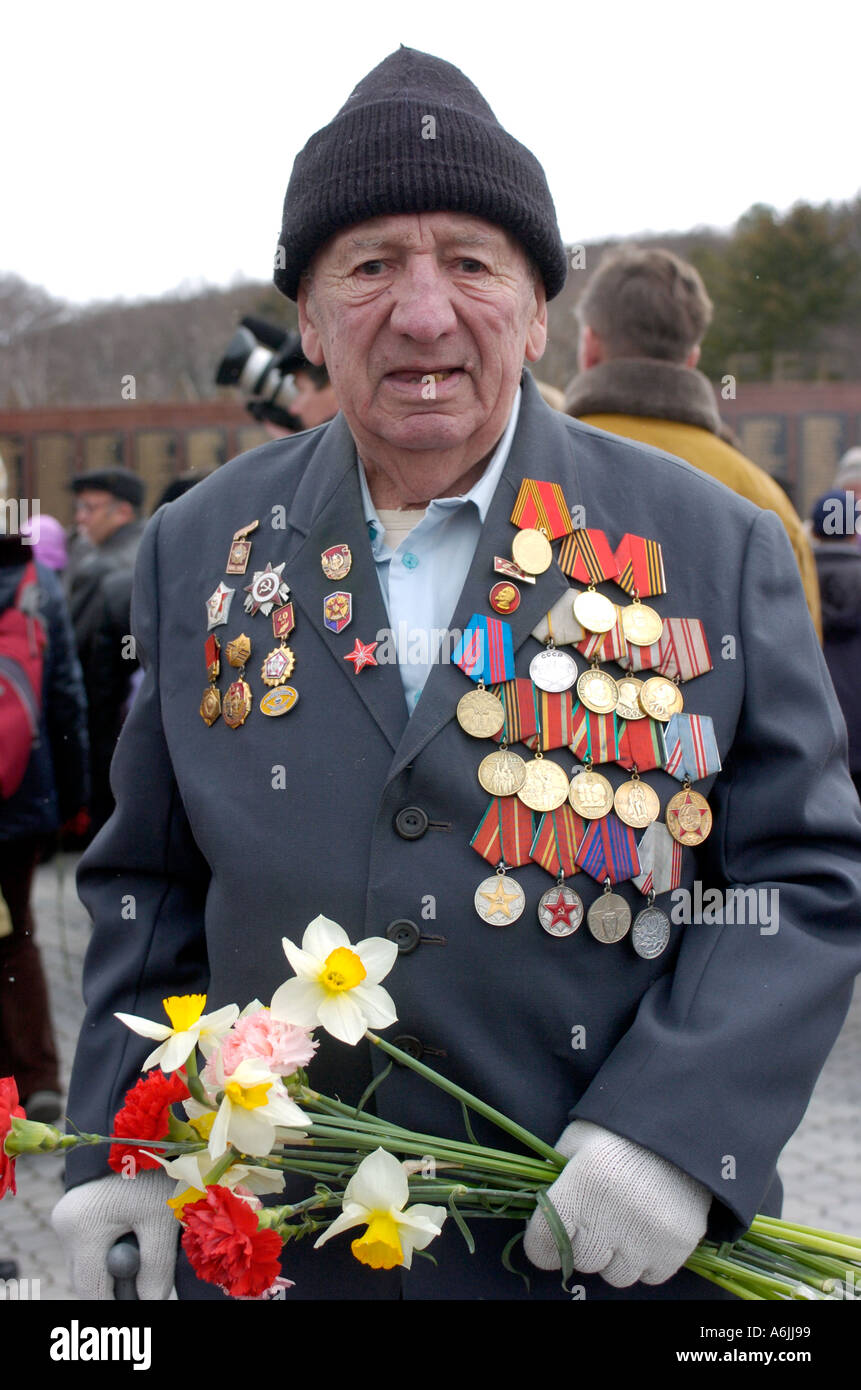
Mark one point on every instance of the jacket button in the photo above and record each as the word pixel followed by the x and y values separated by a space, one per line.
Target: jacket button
pixel 405 935
pixel 411 823
pixel 410 1045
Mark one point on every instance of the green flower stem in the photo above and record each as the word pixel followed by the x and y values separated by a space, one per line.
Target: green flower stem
pixel 723 1279
pixel 422 1145
pixel 194 1083
pixel 226 1161
pixel 825 1265
pixel 787 1230
pixel 523 1136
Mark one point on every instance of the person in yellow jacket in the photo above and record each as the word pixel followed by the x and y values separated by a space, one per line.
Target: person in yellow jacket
pixel 642 318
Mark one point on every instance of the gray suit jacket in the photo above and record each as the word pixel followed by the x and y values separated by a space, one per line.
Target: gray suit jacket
pixel 228 839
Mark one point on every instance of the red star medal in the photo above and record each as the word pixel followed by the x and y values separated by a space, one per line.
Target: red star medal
pixel 362 655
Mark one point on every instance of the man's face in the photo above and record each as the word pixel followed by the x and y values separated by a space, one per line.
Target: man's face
pixel 98 514
pixel 423 320
pixel 314 405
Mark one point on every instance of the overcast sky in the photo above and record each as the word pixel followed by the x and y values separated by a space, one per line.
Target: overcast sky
pixel 145 146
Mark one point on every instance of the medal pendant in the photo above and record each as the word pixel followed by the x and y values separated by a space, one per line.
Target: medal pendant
pixel 590 795
pixel 240 549
pixel 661 698
pixel 628 705
pixel 560 911
pixel 283 622
pixel 237 704
pixel 238 651
pixel 598 691
pixel 553 670
pixel 642 625
pixel 636 803
pixel 650 932
pixel 502 773
pixel 531 550
pixel 689 817
pixel 265 590
pixel 499 900
pixel 480 714
pixel 594 611
pixel 210 705
pixel 545 785
pixel 609 917
pixel 218 606
pixel 278 666
pixel 279 701
pixel 504 598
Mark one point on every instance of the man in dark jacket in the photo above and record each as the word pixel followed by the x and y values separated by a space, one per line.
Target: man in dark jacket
pixel 836 525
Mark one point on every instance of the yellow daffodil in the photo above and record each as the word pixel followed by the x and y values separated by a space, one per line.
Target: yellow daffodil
pixel 189 1028
pixel 376 1196
pixel 191 1170
pixel 253 1102
pixel 337 984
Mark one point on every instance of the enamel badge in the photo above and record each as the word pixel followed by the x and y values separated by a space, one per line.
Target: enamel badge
pixel 265 590
pixel 218 606
pixel 279 701
pixel 336 561
pixel 283 621
pixel 337 611
pixel 278 666
pixel 362 655
pixel 240 549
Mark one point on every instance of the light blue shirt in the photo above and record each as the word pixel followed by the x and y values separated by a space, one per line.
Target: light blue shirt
pixel 421 580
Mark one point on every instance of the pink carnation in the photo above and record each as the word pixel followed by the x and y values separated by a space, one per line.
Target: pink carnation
pixel 283 1046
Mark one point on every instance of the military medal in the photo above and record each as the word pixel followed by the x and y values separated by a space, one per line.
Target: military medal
pixel 692 751
pixel 508 567
pixel 594 737
pixel 554 847
pixel 553 669
pixel 605 646
pixel 210 705
pixel 520 710
pixel 608 850
pixel 590 794
pixel 531 551
pixel 486 650
pixel 609 917
pixel 480 713
pixel 560 911
pixel 502 773
pixel 636 803
pixel 628 704
pixel 554 709
pixel 640 565
pixel 504 834
pixel 278 666
pixel 279 701
pixel 499 899
pixel 504 598
pixel 594 611
pixel 688 817
pixel 218 606
pixel 236 706
pixel 598 691
pixel 337 562
pixel 545 785
pixel 265 590
pixel 651 931
pixel 560 623
pixel 337 611
pixel 541 506
pixel 661 698
pixel 362 655
pixel 283 621
pixel 642 625
pixel 585 555
pixel 684 650
pixel 238 651
pixel 240 549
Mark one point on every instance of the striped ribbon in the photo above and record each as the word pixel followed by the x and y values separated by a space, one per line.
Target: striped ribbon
pixel 609 850
pixel 692 749
pixel 486 649
pixel 684 649
pixel 505 833
pixel 556 840
pixel 660 861
pixel 640 566
pixel 543 507
pixel 560 623
pixel 642 744
pixel 594 735
pixel 645 658
pixel 521 712
pixel 586 555
pixel 607 646
pixel 554 717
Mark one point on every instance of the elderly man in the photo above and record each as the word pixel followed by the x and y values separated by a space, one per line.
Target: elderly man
pixel 421 244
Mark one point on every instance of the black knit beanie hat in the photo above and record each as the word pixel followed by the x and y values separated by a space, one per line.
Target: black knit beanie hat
pixel 416 136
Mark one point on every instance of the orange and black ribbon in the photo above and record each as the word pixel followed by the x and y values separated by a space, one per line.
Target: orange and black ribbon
pixel 586 555
pixel 640 566
pixel 542 507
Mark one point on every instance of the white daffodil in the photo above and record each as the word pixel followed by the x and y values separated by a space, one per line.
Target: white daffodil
pixel 376 1196
pixel 337 985
pixel 190 1028
pixel 254 1100
pixel 191 1171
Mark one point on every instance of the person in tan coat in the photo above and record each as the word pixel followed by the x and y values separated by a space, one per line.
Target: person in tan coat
pixel 642 318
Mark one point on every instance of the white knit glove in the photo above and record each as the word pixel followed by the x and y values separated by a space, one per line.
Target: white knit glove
pixel 629 1214
pixel 90 1218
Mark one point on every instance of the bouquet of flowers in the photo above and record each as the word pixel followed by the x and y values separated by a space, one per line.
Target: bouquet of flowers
pixel 250 1116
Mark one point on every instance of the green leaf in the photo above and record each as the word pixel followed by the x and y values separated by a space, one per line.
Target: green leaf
pixel 468 1126
pixel 558 1232
pixel 506 1260
pixel 369 1090
pixel 461 1225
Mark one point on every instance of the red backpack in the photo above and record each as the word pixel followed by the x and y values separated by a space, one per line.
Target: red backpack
pixel 22 643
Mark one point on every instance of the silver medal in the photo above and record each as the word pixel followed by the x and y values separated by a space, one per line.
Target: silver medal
pixel 560 911
pixel 609 918
pixel 553 670
pixel 499 900
pixel 650 933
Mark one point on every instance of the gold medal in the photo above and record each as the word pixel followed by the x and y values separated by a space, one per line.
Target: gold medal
pixel 502 773
pixel 279 701
pixel 594 611
pixel 628 704
pixel 278 666
pixel 642 625
pixel 545 785
pixel 237 704
pixel 598 691
pixel 532 551
pixel 480 714
pixel 239 650
pixel 636 803
pixel 689 817
pixel 590 794
pixel 661 698
pixel 210 705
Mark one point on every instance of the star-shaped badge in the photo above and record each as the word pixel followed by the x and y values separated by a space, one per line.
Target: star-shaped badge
pixel 362 655
pixel 265 590
pixel 560 910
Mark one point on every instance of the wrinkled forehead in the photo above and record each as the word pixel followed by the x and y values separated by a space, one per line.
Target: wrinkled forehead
pixel 419 231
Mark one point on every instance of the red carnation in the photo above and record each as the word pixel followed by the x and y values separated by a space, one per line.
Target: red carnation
pixel 145 1116
pixel 9 1107
pixel 225 1247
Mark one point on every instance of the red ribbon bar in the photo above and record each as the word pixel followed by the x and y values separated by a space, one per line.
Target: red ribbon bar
pixel 642 745
pixel 505 832
pixel 609 850
pixel 594 735
pixel 521 716
pixel 554 715
pixel 640 566
pixel 542 506
pixel 555 844
pixel 586 555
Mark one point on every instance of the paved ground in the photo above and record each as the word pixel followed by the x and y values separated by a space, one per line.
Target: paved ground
pixel 821 1166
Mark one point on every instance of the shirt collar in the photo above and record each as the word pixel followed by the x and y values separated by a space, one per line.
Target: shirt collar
pixel 481 493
